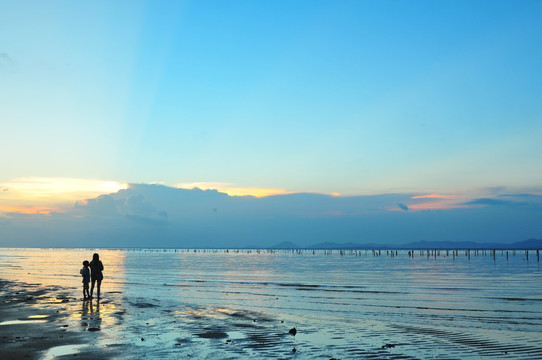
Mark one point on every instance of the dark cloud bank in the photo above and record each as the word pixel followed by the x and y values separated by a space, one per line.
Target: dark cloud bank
pixel 160 216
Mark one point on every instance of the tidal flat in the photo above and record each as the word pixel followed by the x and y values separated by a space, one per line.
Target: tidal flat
pixel 235 304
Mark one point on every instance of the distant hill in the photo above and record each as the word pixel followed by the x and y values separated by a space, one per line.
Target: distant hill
pixel 530 244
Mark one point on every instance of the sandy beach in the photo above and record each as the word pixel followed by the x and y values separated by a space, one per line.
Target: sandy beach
pixel 33 324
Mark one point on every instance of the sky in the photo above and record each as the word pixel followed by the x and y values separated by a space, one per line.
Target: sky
pixel 267 98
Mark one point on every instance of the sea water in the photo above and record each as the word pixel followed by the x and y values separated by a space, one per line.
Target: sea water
pixel 231 304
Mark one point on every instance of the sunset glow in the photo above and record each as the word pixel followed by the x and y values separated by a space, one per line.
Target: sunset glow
pixel 232 190
pixel 32 194
pixel 27 210
pixel 434 196
pixel 435 206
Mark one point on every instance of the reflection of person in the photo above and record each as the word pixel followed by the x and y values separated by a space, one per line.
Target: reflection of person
pixel 95 320
pixel 90 316
pixel 84 310
pixel 97 267
pixel 85 272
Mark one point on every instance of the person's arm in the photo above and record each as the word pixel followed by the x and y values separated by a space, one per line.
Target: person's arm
pixel 101 266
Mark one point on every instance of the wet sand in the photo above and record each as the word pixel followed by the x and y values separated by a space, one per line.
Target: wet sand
pixel 49 322
pixel 33 324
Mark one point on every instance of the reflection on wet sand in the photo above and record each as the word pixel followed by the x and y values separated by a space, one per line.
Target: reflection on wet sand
pixel 90 316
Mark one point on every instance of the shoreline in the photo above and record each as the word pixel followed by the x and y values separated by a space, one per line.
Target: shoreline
pixel 33 324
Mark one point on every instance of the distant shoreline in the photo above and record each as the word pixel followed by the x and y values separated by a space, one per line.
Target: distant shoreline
pixel 337 248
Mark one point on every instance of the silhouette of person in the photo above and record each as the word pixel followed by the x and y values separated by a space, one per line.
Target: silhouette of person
pixel 96 275
pixel 85 272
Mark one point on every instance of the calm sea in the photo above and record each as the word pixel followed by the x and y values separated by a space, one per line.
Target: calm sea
pixel 354 305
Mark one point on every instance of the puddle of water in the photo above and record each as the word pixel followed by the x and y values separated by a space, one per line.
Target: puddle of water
pixel 38 316
pixel 62 350
pixel 236 335
pixel 20 322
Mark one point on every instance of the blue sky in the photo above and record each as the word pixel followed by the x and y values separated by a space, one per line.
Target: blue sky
pixel 348 97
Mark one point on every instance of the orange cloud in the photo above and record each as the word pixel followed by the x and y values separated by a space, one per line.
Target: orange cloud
pixel 434 196
pixel 432 205
pixel 256 192
pixel 233 191
pixel 435 206
pixel 42 210
pixel 41 191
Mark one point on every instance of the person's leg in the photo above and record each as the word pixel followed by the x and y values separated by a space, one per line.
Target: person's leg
pixel 92 287
pixel 98 289
pixel 84 294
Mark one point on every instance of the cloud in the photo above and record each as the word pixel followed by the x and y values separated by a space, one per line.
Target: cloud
pixel 146 220
pixel 102 206
pixel 43 210
pixel 232 190
pixel 524 196
pixel 531 201
pixel 35 191
pixel 132 204
pixel 434 196
pixel 489 202
pixel 160 216
pixel 433 205
pixel 403 207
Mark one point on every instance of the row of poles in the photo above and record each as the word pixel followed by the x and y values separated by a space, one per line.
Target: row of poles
pixel 392 253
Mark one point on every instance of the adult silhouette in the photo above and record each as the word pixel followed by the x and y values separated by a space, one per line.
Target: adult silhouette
pixel 96 274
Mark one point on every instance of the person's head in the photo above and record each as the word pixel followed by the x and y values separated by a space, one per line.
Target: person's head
pixel 85 263
pixel 95 257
